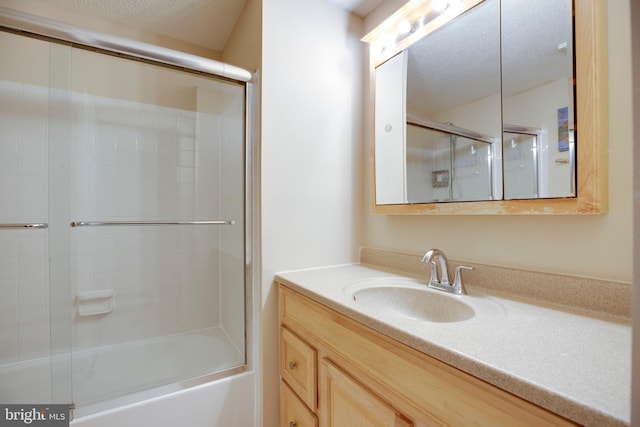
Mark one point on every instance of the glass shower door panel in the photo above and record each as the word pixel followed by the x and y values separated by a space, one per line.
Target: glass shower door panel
pixel 159 295
pixel 60 97
pixel 33 356
pixel 471 170
pixel 428 163
pixel 443 167
pixel 520 166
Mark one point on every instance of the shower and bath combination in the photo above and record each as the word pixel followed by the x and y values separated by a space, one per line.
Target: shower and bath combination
pixel 126 227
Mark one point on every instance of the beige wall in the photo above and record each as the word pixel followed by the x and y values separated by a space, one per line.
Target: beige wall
pixel 593 246
pixel 244 47
pixel 635 393
pixel 312 152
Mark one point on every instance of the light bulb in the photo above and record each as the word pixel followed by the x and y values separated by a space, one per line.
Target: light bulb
pixel 404 27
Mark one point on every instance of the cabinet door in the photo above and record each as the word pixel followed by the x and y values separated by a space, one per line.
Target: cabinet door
pixel 344 402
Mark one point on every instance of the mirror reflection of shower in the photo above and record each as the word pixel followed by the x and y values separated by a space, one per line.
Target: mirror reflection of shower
pixel 520 165
pixel 446 163
pixel 531 166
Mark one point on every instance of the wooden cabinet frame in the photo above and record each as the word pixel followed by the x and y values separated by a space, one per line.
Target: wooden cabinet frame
pixel 421 390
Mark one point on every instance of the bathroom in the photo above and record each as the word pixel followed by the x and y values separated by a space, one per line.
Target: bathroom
pixel 322 216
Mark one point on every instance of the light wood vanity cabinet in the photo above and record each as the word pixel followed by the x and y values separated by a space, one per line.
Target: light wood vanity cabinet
pixel 298 367
pixel 348 403
pixel 336 372
pixel 294 413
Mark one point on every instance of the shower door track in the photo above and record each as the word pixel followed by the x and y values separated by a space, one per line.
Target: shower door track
pixel 448 128
pixel 34 24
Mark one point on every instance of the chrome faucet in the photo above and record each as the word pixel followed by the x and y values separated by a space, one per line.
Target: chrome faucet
pixel 430 257
pixel 443 284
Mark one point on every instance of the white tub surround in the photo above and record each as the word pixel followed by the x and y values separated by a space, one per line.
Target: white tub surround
pixel 224 402
pixel 571 361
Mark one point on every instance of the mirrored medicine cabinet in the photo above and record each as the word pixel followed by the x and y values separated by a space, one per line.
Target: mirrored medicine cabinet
pixel 490 107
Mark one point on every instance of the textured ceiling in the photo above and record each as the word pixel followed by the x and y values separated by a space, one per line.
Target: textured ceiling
pixel 360 7
pixel 460 62
pixel 206 23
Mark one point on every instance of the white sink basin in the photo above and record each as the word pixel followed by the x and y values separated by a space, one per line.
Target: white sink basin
pixel 411 300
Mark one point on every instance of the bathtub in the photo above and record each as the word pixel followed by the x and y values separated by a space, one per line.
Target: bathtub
pixel 26 382
pixel 194 379
pixel 109 372
pixel 227 402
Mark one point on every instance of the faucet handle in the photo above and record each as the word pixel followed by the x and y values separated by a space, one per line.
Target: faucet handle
pixel 457 281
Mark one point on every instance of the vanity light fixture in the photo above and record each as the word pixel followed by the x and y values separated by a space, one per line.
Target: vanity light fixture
pixel 381 45
pixel 414 20
pixel 440 5
pixel 405 27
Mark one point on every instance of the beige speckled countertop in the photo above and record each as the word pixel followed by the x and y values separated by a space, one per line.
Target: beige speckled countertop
pixel 574 362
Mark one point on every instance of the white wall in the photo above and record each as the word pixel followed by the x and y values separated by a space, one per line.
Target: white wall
pixel 311 151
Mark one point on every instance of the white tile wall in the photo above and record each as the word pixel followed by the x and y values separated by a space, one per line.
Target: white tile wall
pixel 129 161
pixel 137 162
pixel 24 292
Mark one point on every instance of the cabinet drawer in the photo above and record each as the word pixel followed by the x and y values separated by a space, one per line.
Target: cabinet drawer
pixel 293 413
pixel 298 367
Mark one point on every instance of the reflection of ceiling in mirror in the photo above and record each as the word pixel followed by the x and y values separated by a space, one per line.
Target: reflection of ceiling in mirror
pixel 467 50
pixel 532 53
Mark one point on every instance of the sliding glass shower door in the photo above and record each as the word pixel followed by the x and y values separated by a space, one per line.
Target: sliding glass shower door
pixel 34 304
pixel 141 169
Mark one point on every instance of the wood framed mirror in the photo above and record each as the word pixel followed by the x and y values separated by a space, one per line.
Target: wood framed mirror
pixel 591 114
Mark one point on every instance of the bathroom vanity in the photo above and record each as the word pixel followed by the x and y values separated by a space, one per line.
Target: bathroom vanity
pixel 345 361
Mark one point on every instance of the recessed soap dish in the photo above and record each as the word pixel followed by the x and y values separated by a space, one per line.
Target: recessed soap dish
pixel 96 302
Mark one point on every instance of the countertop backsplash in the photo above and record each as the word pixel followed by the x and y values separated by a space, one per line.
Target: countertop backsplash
pixel 608 298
